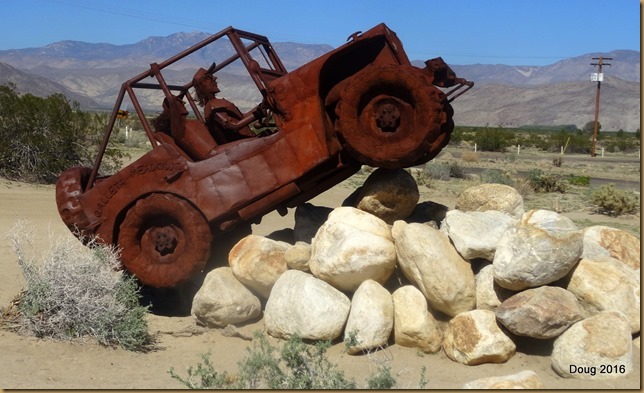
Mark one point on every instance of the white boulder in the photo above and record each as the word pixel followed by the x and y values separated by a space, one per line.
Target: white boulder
pixel 257 262
pixel 473 337
pixel 598 347
pixel 543 248
pixel 476 234
pixel 350 247
pixel 303 305
pixel 371 318
pixel 414 325
pixel 222 300
pixel 428 260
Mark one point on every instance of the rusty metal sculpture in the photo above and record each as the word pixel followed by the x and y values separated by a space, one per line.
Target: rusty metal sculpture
pixel 362 103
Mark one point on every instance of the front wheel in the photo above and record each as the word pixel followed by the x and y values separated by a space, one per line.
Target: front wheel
pixel 164 240
pixel 392 117
pixel 69 187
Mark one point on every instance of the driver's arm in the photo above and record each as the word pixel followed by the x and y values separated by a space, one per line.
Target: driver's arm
pixel 229 123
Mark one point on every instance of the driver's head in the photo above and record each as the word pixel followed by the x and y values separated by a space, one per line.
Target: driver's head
pixel 205 82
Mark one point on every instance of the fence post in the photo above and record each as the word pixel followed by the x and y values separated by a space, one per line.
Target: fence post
pixel 518 150
pixel 475 148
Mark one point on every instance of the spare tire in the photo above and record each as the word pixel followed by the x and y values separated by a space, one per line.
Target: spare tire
pixel 392 117
pixel 70 185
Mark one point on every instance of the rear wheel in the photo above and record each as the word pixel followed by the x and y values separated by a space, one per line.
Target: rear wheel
pixel 164 240
pixel 392 117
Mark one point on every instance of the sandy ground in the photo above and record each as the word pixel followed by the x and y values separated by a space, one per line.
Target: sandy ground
pixel 31 363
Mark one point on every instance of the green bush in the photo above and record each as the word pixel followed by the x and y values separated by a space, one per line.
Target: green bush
pixel 613 201
pixel 496 176
pixel 78 291
pixel 493 139
pixel 543 182
pixel 579 180
pixel 41 137
pixel 574 142
pixel 437 171
pixel 443 171
pixel 382 380
pixel 298 366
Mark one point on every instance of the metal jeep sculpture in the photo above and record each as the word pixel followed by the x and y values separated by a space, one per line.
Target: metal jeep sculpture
pixel 362 103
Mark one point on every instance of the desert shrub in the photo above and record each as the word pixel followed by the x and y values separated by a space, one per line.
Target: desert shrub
pixel 470 156
pixel 456 171
pixel 437 171
pixel 613 201
pixel 41 137
pixel 443 171
pixel 523 187
pixel 621 144
pixel 492 139
pixel 296 366
pixel 574 142
pixel 544 182
pixel 496 176
pixel 382 380
pixel 579 180
pixel 78 291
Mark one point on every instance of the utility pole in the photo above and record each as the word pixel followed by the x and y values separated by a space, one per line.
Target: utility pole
pixel 597 77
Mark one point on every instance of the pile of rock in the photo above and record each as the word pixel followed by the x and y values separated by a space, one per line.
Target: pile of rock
pixel 468 281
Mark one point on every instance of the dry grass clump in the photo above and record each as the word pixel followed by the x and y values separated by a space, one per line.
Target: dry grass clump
pixel 77 291
pixel 470 156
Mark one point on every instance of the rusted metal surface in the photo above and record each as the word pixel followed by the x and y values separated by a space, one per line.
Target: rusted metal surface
pixel 362 103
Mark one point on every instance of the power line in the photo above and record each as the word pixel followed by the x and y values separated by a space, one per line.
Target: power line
pixel 139 15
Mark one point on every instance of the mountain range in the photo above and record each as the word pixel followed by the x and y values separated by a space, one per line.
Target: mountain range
pixel 557 94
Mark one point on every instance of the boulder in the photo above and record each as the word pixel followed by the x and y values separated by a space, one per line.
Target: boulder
pixel 257 262
pixel 222 300
pixel 543 248
pixel 598 347
pixel 603 241
pixel 607 285
pixel 543 312
pixel 476 234
pixel 526 379
pixel 303 305
pixel 414 325
pixel 489 294
pixel 352 246
pixel 298 255
pixel 371 317
pixel 390 194
pixel 491 196
pixel 308 219
pixel 473 337
pixel 428 260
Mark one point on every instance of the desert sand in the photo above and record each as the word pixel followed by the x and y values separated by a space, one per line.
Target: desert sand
pixel 32 363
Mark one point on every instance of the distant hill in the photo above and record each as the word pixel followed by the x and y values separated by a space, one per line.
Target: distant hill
pixel 40 86
pixel 560 93
pixel 625 66
pixel 552 104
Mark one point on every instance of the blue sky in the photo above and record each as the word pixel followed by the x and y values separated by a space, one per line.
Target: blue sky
pixel 514 32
